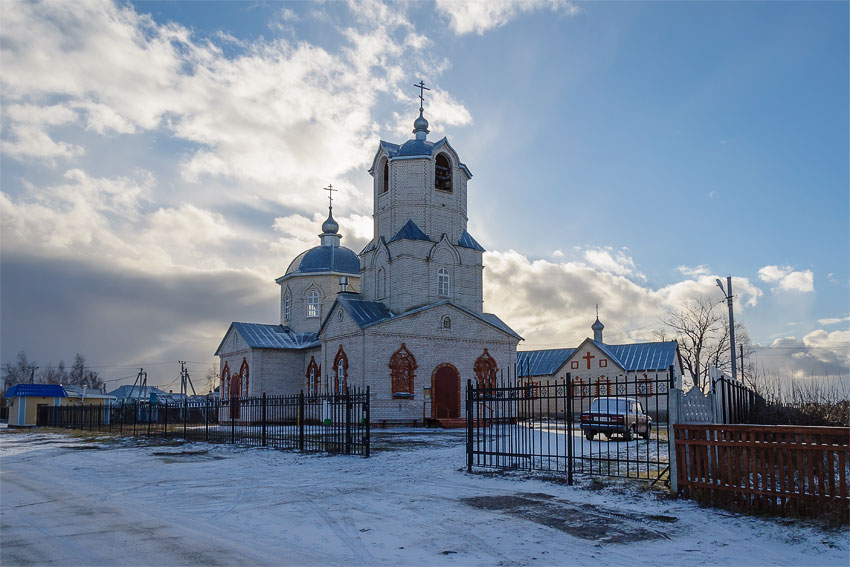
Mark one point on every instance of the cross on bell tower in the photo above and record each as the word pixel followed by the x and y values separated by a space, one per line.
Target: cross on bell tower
pixel 330 189
pixel 422 88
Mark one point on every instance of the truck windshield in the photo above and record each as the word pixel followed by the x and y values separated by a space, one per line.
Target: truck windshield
pixel 609 405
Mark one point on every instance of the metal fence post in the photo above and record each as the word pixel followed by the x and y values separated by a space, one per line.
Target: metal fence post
pixel 368 449
pixel 263 435
pixel 185 415
pixel 165 429
pixel 232 420
pixel 207 421
pixel 301 420
pixel 347 423
pixel 469 425
pixel 568 387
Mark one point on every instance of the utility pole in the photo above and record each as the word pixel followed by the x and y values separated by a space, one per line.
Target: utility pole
pixel 33 368
pixel 728 293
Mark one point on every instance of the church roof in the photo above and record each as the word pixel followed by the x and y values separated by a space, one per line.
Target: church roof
pixel 123 392
pixel 466 241
pixel 368 313
pixel 259 335
pixel 325 259
pixel 632 358
pixel 541 362
pixel 410 232
pixel 418 148
pixel 642 356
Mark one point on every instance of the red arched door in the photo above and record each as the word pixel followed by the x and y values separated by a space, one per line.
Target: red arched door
pixel 445 393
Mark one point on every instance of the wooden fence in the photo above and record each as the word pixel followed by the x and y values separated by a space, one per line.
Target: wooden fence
pixel 773 468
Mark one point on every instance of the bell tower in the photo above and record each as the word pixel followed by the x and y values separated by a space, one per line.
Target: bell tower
pixel 421 252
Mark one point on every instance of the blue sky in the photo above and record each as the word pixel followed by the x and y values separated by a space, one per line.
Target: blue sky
pixel 162 163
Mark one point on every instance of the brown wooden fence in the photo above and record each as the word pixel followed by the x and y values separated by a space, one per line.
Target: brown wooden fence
pixel 766 468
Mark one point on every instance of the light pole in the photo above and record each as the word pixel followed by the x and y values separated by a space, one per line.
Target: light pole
pixel 731 322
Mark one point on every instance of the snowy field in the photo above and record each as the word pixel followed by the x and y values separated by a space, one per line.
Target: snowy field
pixel 104 501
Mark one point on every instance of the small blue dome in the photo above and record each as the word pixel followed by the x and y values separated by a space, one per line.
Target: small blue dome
pixel 415 148
pixel 326 259
pixel 420 124
pixel 598 326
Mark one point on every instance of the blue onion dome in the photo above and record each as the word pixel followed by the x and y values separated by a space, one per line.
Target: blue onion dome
pixel 420 124
pixel 330 226
pixel 598 326
pixel 326 259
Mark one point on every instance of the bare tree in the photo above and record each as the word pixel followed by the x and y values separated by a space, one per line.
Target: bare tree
pixel 79 375
pixel 698 327
pixel 20 372
pixel 212 378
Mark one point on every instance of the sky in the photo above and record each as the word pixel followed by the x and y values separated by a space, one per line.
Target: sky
pixel 161 163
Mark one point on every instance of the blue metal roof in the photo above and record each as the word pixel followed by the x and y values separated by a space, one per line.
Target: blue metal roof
pixel 259 335
pixel 364 312
pixel 643 356
pixel 541 362
pixel 410 232
pixel 325 259
pixel 493 320
pixel 418 148
pixel 467 241
pixel 37 391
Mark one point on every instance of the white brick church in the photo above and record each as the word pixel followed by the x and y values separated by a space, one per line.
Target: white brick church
pixel 405 316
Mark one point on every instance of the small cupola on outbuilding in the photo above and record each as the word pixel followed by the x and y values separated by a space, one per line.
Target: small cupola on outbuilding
pixel 597 329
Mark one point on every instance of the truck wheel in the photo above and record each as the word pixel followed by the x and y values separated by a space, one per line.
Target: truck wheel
pixel 588 435
pixel 646 433
pixel 629 434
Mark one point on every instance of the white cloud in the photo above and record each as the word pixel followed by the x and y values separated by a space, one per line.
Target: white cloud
pixel 788 279
pixel 480 16
pixel 275 118
pixel 701 270
pixel 819 353
pixel 616 262
pixel 834 320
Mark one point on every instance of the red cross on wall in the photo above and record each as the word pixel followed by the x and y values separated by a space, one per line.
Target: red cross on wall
pixel 588 357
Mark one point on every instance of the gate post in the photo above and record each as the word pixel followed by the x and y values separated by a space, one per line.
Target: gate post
pixel 264 420
pixel 674 401
pixel 347 423
pixel 569 393
pixel 469 418
pixel 301 420
pixel 232 420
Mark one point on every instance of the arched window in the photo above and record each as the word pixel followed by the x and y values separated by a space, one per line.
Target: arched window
pixel 447 324
pixel 313 303
pixel 223 392
pixel 443 282
pixel 341 372
pixel 244 372
pixel 381 283
pixel 386 169
pixel 443 173
pixel 287 306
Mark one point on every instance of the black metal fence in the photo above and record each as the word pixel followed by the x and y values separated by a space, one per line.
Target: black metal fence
pixel 555 426
pixel 737 402
pixel 325 423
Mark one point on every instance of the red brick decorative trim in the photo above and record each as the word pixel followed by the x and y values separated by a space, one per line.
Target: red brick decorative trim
pixel 485 370
pixel 341 356
pixel 225 381
pixel 402 371
pixel 574 365
pixel 245 373
pixel 313 388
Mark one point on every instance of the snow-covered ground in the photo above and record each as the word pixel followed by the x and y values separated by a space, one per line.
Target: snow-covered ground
pixel 69 501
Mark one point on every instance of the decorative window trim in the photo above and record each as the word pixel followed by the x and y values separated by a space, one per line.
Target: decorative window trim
pixel 603 382
pixel 485 369
pixel 574 365
pixel 244 373
pixel 314 377
pixel 381 283
pixel 603 363
pixel 443 183
pixel 577 386
pixel 402 372
pixel 446 324
pixel 341 359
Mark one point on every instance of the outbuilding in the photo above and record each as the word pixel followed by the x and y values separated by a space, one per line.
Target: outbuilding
pixel 24 401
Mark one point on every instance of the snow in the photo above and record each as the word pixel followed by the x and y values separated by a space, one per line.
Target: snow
pixel 106 501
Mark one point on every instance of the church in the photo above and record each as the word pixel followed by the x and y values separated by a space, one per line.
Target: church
pixel 405 316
